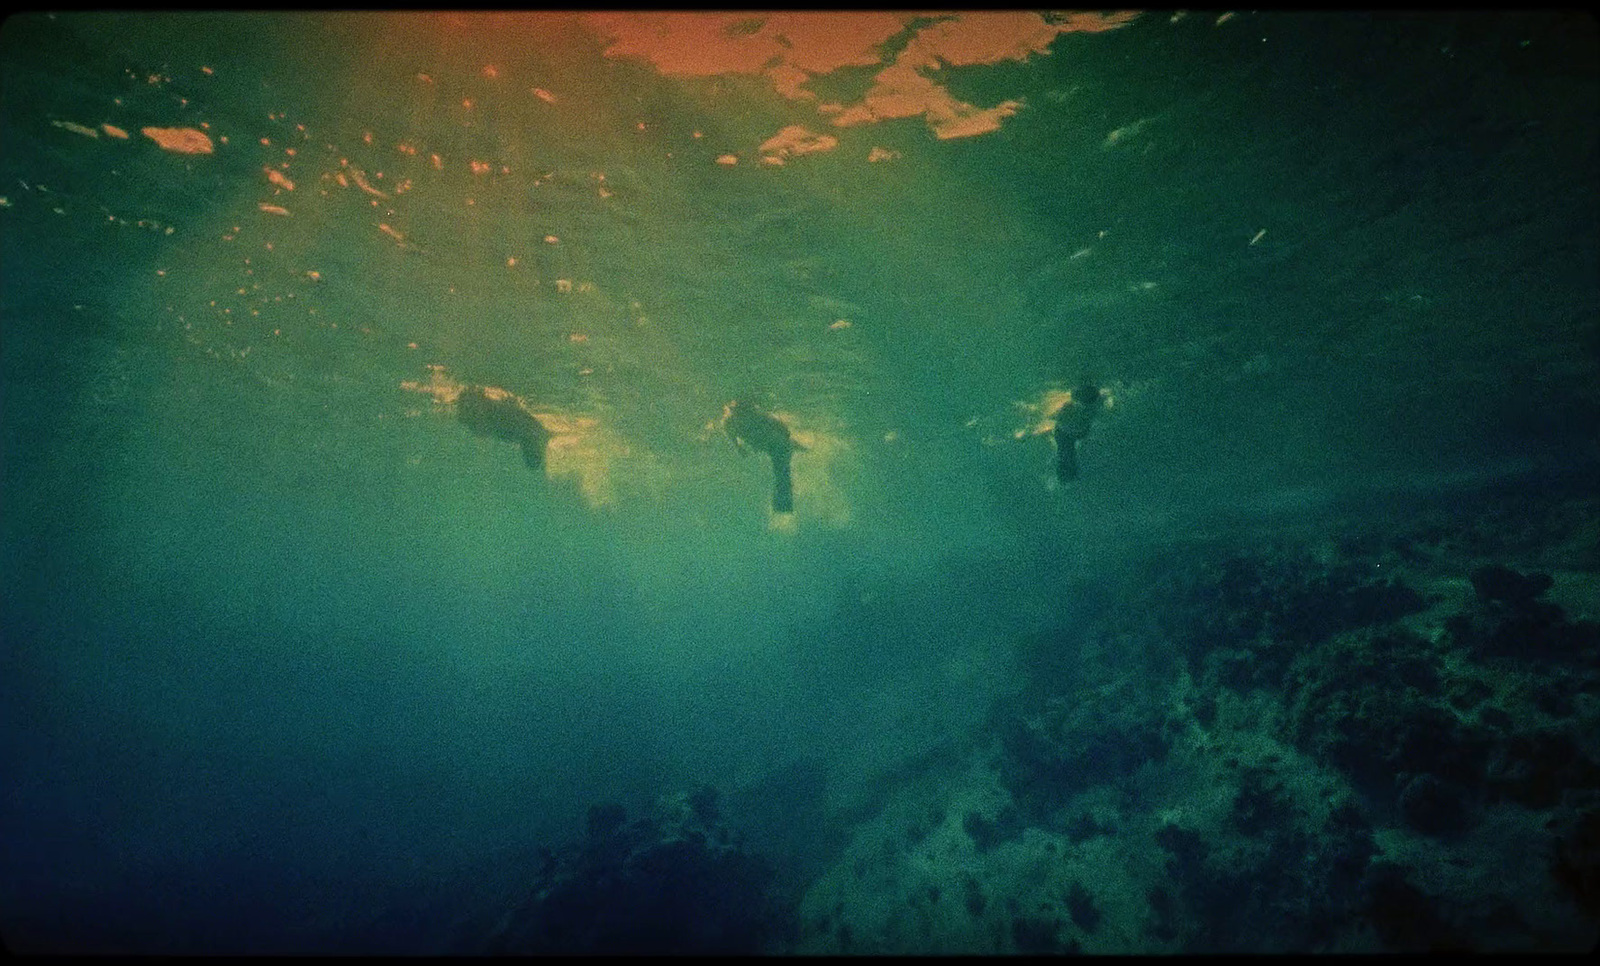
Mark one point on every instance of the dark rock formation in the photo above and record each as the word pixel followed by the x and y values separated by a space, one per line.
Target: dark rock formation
pixel 1498 583
pixel 668 884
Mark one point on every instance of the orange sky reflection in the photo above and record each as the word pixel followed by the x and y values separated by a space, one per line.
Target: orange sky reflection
pixel 792 48
pixel 181 140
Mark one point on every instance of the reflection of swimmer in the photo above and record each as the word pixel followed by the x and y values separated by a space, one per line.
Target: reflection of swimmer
pixel 491 411
pixel 1072 424
pixel 752 426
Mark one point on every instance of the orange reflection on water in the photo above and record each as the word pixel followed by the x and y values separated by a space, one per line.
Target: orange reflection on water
pixel 907 87
pixel 792 48
pixel 687 44
pixel 795 139
pixel 181 140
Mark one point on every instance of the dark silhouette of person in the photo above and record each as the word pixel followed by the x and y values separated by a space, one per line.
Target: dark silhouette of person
pixel 493 412
pixel 1072 424
pixel 754 427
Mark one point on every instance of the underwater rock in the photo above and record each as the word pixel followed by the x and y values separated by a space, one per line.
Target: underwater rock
pixel 1533 630
pixel 1503 584
pixel 1076 742
pixel 1348 850
pixel 1082 827
pixel 1163 925
pixel 1242 620
pixel 1406 918
pixel 986 834
pixel 604 820
pixel 1355 710
pixel 1036 935
pixel 1259 804
pixel 1203 909
pixel 1575 862
pixel 671 883
pixel 973 898
pixel 1536 769
pixel 1433 807
pixel 1218 888
pixel 1081 906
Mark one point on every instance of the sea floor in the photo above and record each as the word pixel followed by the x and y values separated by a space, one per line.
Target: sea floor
pixel 1359 737
pixel 1363 733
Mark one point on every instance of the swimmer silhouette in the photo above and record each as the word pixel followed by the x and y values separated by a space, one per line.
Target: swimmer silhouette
pixel 752 426
pixel 1072 424
pixel 491 411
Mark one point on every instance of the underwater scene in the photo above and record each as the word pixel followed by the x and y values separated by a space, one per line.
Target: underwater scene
pixel 799 483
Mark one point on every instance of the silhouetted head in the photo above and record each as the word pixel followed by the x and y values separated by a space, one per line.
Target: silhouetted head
pixel 1087 394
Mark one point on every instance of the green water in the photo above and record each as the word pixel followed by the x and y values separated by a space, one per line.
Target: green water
pixel 273 618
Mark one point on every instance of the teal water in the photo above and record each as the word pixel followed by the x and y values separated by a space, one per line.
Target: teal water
pixel 286 646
